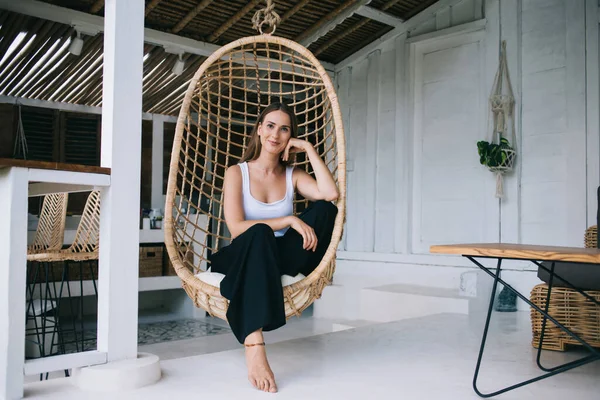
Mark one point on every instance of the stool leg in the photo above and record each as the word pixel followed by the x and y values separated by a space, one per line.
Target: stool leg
pixel 47 296
pixel 81 306
pixel 41 343
pixel 66 278
pixel 58 324
pixel 93 276
pixel 91 264
pixel 30 311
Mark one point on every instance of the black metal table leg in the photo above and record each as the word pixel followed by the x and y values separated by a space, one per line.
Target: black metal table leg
pixel 485 331
pixel 554 371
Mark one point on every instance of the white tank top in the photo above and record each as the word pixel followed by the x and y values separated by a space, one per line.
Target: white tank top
pixel 255 209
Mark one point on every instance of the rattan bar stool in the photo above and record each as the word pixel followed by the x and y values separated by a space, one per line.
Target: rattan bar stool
pixel 41 315
pixel 83 249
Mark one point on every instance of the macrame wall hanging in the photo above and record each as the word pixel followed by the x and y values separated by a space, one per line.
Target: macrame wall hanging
pixel 499 154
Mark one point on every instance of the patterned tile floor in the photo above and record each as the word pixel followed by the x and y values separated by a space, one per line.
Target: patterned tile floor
pixel 168 331
pixel 148 333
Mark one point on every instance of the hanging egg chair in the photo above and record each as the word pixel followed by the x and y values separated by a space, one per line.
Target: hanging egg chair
pixel 222 103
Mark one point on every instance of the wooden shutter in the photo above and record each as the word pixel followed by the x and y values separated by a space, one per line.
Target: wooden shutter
pixel 7 130
pixel 169 136
pixel 146 175
pixel 39 125
pixel 81 139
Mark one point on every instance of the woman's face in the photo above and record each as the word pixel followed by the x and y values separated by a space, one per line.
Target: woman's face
pixel 275 131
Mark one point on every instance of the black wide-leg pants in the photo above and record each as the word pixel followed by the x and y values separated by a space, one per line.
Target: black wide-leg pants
pixel 255 261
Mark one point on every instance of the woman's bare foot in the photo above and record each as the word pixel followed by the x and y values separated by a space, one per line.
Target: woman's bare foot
pixel 259 371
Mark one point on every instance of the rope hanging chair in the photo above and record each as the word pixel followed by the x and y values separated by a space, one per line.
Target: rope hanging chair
pixel 221 105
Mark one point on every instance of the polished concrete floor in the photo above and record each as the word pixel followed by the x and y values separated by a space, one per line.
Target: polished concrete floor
pixel 422 358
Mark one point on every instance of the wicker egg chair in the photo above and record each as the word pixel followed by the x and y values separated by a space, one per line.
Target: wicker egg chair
pixel 220 107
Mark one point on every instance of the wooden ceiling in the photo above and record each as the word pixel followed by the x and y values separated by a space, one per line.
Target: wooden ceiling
pixel 35 62
pixel 41 67
pixel 222 21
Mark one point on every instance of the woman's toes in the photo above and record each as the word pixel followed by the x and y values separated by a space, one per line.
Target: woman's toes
pixel 265 385
pixel 272 387
pixel 253 382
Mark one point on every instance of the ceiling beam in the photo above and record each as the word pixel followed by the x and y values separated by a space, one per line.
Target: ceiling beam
pixel 97 6
pixel 229 23
pixel 293 10
pixel 399 30
pixel 150 7
pixel 90 22
pixel 330 21
pixel 380 15
pixel 190 16
pixel 354 27
pixel 340 36
pixel 70 107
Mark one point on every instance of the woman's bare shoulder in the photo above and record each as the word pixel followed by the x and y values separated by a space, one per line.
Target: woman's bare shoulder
pixel 232 181
pixel 233 171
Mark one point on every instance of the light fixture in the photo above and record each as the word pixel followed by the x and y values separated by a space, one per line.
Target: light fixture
pixel 179 65
pixel 76 45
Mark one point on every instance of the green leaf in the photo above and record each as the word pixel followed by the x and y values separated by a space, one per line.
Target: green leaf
pixel 482 148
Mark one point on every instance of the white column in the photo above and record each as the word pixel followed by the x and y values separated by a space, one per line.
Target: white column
pixel 121 151
pixel 13 259
pixel 158 125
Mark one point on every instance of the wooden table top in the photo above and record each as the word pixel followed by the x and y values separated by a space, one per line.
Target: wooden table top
pixel 521 251
pixel 11 162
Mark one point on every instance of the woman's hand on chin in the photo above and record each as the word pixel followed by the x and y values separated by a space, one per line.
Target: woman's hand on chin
pixel 294 146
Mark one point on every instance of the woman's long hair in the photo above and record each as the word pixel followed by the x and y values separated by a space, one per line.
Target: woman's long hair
pixel 254 147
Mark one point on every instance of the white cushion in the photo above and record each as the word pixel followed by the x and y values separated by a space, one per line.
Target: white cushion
pixel 287 280
pixel 212 278
pixel 215 278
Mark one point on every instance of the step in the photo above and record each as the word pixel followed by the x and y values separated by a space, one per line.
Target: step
pixel 427 291
pixel 336 302
pixel 342 325
pixel 385 303
pixel 402 301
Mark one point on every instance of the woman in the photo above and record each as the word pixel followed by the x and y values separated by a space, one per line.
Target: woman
pixel 268 240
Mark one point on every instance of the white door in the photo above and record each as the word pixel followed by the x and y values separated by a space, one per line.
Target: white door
pixel 450 202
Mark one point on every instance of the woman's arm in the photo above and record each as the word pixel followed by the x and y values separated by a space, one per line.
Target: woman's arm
pixel 234 209
pixel 324 187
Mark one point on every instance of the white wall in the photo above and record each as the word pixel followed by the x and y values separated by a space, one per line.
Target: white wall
pixel 553 185
pixel 415 108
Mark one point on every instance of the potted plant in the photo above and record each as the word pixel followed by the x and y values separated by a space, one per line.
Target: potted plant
pixel 158 222
pixel 496 157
